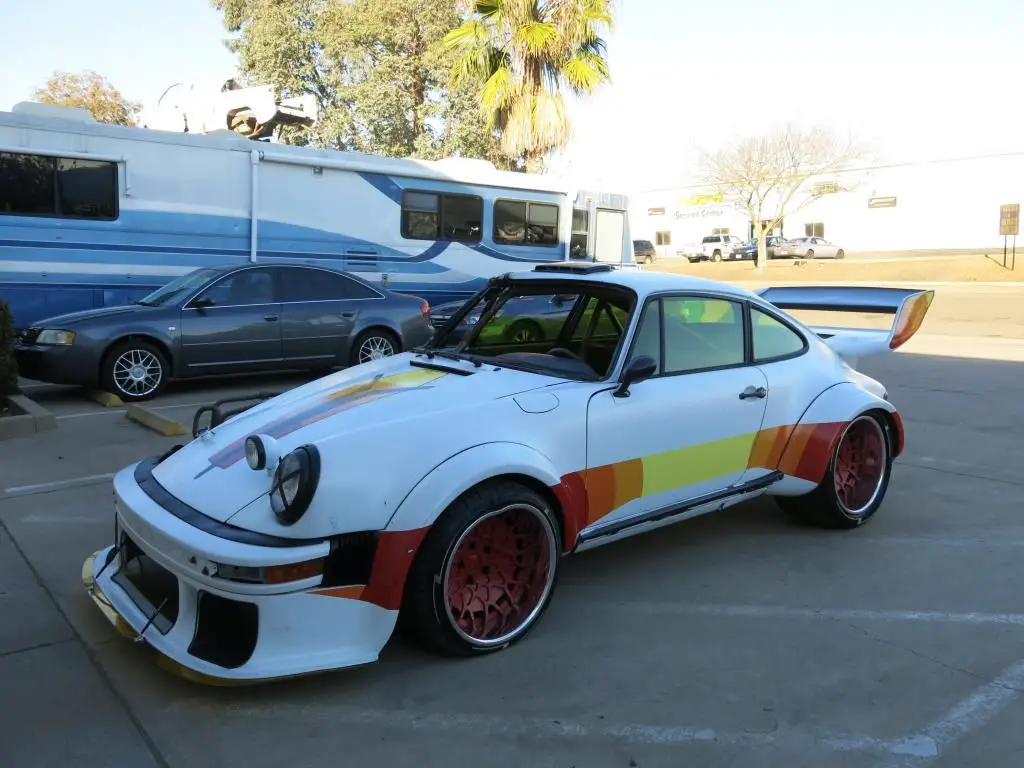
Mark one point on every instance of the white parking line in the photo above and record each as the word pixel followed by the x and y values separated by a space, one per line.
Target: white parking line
pixel 58 485
pixel 966 716
pixel 783 612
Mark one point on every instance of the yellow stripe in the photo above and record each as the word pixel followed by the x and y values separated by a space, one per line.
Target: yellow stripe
pixel 694 464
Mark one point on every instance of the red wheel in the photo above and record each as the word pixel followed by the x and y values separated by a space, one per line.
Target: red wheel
pixel 486 571
pixel 856 481
pixel 860 465
pixel 498 574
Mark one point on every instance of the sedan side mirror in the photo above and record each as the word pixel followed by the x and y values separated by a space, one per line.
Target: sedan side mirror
pixel 638 369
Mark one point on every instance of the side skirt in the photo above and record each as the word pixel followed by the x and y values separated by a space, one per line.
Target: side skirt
pixel 700 505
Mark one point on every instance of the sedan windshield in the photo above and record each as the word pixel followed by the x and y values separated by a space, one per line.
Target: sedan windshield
pixel 567 330
pixel 178 288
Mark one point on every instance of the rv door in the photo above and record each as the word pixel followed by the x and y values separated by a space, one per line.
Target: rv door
pixel 610 227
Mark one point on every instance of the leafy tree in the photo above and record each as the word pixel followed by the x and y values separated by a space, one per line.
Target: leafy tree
pixel 524 54
pixel 377 68
pixel 8 366
pixel 90 91
pixel 781 172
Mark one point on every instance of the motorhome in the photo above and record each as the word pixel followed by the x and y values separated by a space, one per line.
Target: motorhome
pixel 95 215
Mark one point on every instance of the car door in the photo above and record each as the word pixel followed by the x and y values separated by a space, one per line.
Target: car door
pixel 233 324
pixel 319 311
pixel 687 431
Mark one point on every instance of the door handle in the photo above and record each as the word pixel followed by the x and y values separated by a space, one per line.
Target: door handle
pixel 753 392
pixel 348 314
pixel 270 318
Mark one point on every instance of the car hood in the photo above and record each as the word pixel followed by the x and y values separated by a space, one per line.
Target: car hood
pixel 72 319
pixel 354 411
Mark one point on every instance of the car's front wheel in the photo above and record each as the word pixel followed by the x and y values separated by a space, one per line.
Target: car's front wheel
pixel 486 571
pixel 856 480
pixel 134 370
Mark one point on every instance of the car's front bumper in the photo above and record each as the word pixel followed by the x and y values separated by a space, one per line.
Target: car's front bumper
pixel 217 631
pixel 71 364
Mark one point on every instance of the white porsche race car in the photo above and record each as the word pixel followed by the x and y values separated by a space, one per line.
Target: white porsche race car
pixel 448 482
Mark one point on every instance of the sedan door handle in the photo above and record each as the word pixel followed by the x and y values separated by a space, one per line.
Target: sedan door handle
pixel 270 318
pixel 348 314
pixel 753 392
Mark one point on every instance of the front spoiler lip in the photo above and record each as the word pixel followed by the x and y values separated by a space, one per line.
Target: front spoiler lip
pixel 163 661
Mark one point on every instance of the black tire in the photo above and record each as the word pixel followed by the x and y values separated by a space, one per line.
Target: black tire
pixel 809 254
pixel 716 256
pixel 124 363
pixel 372 337
pixel 528 329
pixel 427 610
pixel 840 254
pixel 824 507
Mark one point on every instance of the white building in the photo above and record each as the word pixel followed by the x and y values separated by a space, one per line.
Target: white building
pixel 939 205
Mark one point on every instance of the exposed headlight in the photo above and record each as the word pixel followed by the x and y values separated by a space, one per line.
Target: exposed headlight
pixel 55 337
pixel 255 452
pixel 295 481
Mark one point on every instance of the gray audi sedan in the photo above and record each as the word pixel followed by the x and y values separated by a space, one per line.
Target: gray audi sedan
pixel 222 320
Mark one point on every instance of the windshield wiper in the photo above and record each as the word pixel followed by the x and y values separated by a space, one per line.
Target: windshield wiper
pixel 458 356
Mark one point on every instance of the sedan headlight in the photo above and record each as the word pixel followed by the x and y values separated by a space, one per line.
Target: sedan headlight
pixel 55 337
pixel 295 481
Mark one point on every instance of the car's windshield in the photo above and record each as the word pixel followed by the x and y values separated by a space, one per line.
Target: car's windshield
pixel 572 331
pixel 177 288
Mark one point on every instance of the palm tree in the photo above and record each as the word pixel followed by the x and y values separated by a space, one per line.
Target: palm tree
pixel 524 54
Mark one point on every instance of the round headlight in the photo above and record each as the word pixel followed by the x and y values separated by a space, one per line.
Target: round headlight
pixel 255 452
pixel 295 481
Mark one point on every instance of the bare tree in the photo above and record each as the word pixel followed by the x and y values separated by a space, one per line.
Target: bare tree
pixel 780 173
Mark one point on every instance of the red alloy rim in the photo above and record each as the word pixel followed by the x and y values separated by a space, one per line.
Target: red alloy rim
pixel 860 465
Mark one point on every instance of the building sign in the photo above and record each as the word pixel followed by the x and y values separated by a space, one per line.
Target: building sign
pixel 716 199
pixel 701 214
pixel 655 211
pixel 1009 219
pixel 882 202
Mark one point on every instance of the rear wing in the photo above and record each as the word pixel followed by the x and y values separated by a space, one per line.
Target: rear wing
pixel 907 305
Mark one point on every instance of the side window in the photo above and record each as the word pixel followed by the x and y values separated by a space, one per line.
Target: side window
pixel 35 185
pixel 517 222
pixel 27 185
pixel 302 284
pixel 245 288
pixel 702 333
pixel 580 228
pixel 772 339
pixel 88 189
pixel 436 216
pixel 648 334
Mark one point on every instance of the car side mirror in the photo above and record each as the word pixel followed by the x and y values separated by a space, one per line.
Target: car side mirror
pixel 638 369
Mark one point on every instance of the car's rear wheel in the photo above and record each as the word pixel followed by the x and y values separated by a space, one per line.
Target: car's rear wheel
pixel 840 254
pixel 716 256
pixel 524 332
pixel 373 344
pixel 134 370
pixel 486 572
pixel 809 254
pixel 855 483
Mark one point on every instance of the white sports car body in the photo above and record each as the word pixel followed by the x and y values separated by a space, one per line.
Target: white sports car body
pixel 447 483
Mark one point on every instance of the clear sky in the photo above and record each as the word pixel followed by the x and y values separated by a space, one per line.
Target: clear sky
pixel 915 78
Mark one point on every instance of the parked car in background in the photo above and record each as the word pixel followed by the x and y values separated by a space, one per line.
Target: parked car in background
pixel 718 247
pixel 257 317
pixel 643 252
pixel 748 251
pixel 810 248
pixel 520 320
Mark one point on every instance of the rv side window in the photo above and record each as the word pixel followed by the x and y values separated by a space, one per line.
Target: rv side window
pixel 88 189
pixel 35 185
pixel 433 216
pixel 525 223
pixel 26 185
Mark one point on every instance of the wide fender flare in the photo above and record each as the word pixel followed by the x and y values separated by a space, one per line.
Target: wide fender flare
pixel 813 439
pixel 436 490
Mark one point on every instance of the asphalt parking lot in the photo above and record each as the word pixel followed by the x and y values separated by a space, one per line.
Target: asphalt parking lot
pixel 731 640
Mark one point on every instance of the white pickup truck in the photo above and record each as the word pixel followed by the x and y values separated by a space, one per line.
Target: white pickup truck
pixel 718 247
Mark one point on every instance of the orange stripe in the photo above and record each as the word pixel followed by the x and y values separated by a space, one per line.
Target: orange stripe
pixel 629 481
pixel 600 491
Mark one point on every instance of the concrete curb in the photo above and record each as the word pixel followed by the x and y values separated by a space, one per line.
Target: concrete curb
pixel 106 399
pixel 154 421
pixel 29 418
